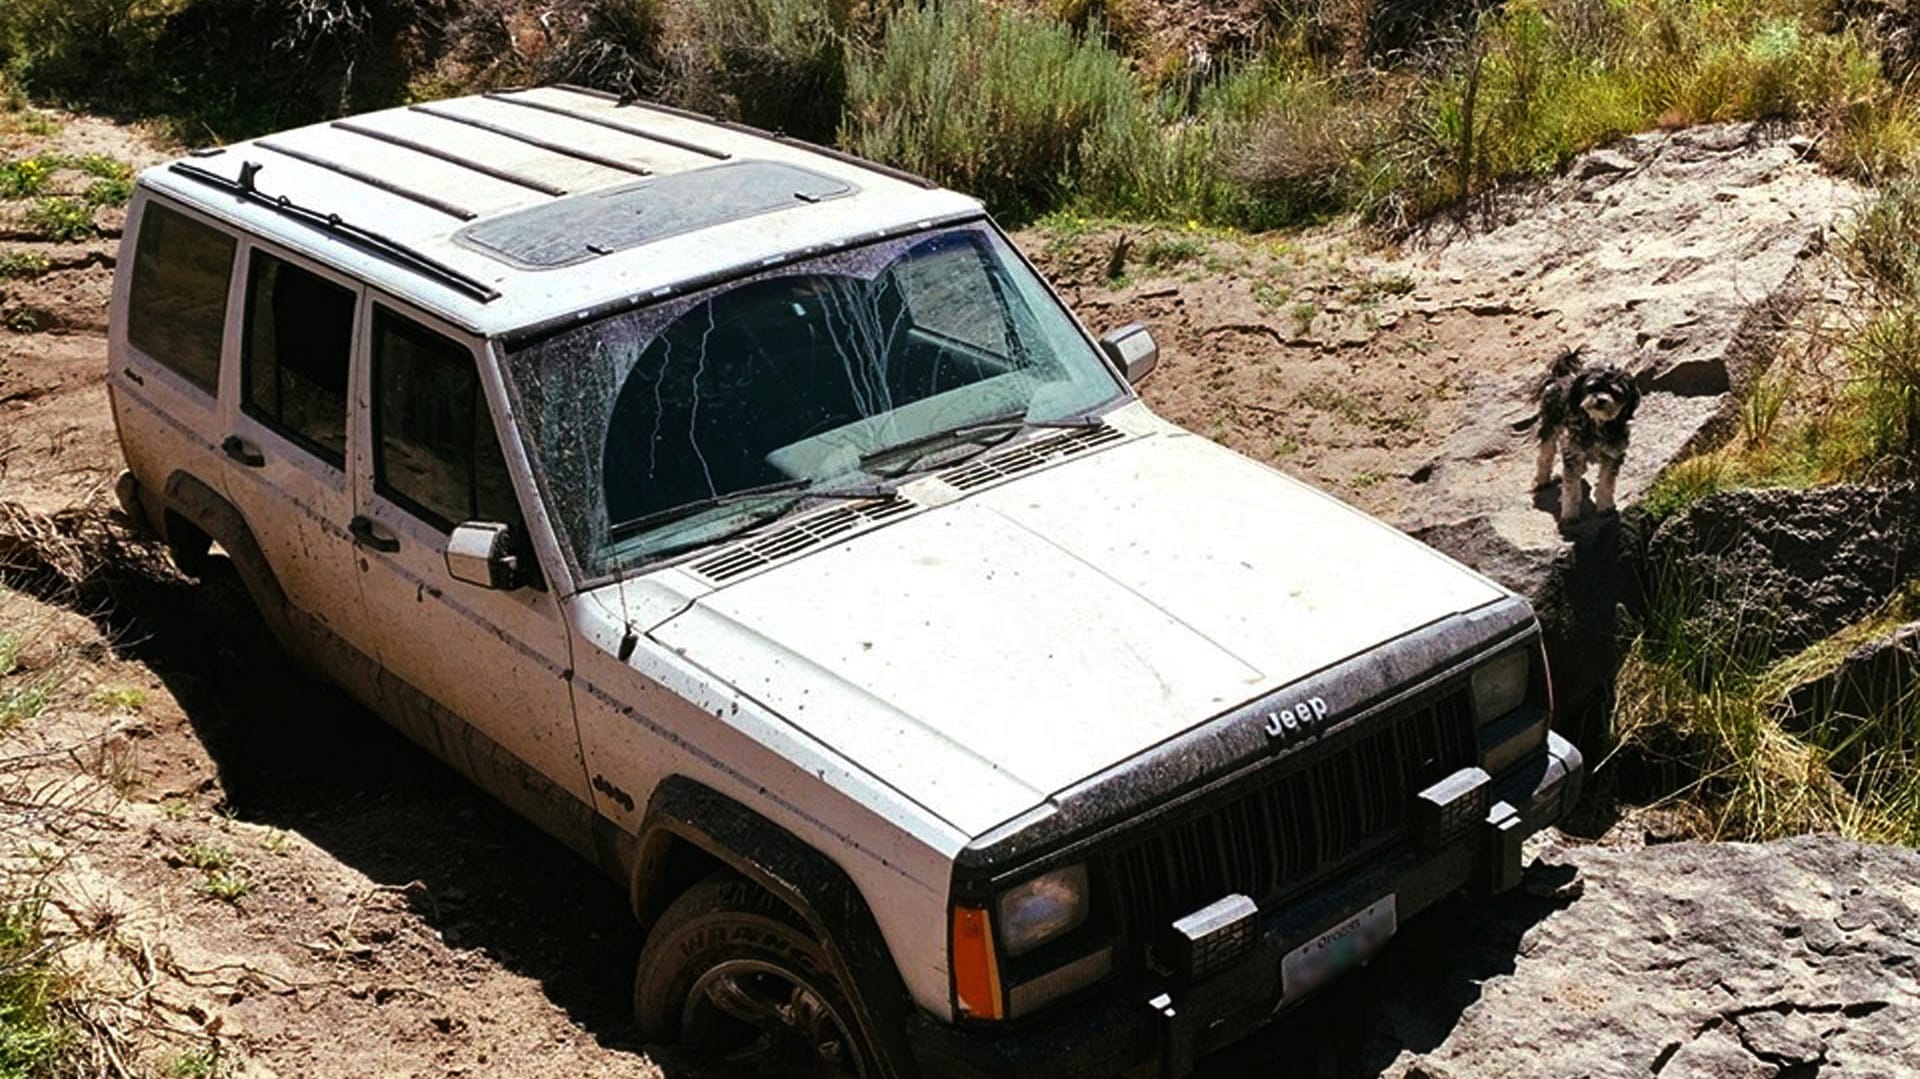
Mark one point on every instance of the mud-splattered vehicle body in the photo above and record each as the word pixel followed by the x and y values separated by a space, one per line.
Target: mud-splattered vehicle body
pixel 757 521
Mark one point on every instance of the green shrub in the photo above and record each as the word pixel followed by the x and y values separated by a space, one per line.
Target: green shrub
pixel 778 64
pixel 60 218
pixel 993 101
pixel 1886 356
pixel 36 1036
pixel 25 177
pixel 614 45
pixel 1881 244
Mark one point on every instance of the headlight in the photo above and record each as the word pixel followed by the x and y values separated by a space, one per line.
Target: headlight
pixel 1500 685
pixel 1043 908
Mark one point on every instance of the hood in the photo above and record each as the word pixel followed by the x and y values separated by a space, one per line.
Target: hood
pixel 984 654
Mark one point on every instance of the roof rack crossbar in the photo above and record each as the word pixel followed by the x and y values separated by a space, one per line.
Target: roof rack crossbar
pixel 734 125
pixel 421 197
pixel 366 239
pixel 435 152
pixel 532 140
pixel 665 140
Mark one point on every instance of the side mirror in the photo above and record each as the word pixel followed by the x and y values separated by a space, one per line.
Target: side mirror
pixel 1132 350
pixel 481 552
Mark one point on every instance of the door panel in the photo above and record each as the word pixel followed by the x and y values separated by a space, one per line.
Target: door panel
pixel 285 451
pixel 497 659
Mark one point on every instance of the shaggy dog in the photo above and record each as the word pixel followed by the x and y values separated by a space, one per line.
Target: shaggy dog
pixel 1584 409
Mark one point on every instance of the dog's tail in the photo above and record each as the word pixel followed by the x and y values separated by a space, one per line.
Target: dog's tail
pixel 1563 366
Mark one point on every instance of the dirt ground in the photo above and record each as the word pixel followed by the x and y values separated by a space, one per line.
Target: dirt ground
pixel 1315 352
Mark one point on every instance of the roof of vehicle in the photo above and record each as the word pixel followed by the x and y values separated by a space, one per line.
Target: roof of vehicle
pixel 524 208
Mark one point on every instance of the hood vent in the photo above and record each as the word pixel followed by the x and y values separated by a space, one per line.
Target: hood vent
pixel 806 533
pixel 1028 455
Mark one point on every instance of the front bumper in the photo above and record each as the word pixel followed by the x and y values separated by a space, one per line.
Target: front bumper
pixel 1146 1025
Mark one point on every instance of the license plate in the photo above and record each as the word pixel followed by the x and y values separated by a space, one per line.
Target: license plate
pixel 1337 950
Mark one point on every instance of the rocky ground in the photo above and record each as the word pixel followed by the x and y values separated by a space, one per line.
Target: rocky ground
pixel 256 878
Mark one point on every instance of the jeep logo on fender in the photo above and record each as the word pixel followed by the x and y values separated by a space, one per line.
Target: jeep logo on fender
pixel 1292 724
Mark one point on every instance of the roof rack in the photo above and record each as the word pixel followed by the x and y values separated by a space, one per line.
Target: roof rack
pixel 467 163
pixel 351 173
pixel 531 140
pixel 748 129
pixel 666 140
pixel 366 239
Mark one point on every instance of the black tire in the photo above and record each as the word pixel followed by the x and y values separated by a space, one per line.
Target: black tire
pixel 728 973
pixel 188 547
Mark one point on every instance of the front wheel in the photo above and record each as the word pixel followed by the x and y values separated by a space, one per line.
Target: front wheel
pixel 728 972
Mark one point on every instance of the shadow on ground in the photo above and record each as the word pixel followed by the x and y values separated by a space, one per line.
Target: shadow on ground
pixel 298 755
pixel 1407 1000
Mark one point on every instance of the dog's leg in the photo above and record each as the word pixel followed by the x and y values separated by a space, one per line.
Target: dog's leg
pixel 1603 484
pixel 1543 469
pixel 1573 468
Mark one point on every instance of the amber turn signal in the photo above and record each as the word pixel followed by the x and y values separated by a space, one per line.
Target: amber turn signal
pixel 976 975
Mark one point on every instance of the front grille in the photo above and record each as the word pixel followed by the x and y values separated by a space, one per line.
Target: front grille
pixel 1293 825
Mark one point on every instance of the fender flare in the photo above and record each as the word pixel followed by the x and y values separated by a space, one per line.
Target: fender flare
pixel 799 876
pixel 205 508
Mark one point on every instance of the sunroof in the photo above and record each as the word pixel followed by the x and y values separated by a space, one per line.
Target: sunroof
pixel 581 227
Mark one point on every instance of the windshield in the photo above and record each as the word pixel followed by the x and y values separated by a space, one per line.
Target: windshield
pixel 686 420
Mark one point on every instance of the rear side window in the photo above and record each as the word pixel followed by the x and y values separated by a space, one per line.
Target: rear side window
pixel 435 451
pixel 294 363
pixel 177 312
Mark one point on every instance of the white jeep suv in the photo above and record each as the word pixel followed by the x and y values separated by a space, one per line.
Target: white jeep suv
pixel 757 521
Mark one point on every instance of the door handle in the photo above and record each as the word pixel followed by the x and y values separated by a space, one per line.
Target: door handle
pixel 362 530
pixel 238 449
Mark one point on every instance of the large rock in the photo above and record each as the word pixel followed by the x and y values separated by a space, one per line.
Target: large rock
pixel 1770 572
pixel 1877 680
pixel 1687 961
pixel 1677 256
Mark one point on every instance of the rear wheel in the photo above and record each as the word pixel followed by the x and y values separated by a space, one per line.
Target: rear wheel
pixel 729 973
pixel 188 547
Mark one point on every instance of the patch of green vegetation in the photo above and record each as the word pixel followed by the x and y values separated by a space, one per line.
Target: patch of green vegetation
pixel 1032 115
pixel 18 704
pixel 1303 314
pixel 23 265
pixel 1699 696
pixel 1004 104
pixel 222 876
pixel 25 177
pixel 207 856
pixel 1269 296
pixel 23 319
pixel 38 1035
pixel 9 653
pixel 195 1064
pixel 60 218
pixel 1328 398
pixel 1171 249
pixel 226 885
pixel 118 699
pixel 1392 285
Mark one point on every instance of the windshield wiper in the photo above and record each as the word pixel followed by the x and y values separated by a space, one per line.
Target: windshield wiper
pixel 989 432
pixel 799 486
